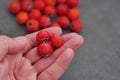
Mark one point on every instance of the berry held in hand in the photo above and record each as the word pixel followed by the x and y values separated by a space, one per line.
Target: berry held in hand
pixel 57 41
pixel 45 50
pixel 76 26
pixel 47 42
pixel 32 25
pixel 43 36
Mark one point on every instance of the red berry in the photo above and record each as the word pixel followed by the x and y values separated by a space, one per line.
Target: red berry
pixel 25 0
pixel 14 7
pixel 38 0
pixel 50 2
pixel 76 26
pixel 44 21
pixel 54 24
pixel 22 17
pixel 35 14
pixel 27 5
pixel 74 13
pixel 43 36
pixel 72 3
pixel 45 50
pixel 62 9
pixel 61 1
pixel 57 41
pixel 32 25
pixel 50 11
pixel 64 21
pixel 39 4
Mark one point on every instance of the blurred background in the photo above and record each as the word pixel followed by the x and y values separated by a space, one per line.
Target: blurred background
pixel 99 58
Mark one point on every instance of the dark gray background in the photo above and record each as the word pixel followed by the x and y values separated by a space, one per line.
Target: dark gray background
pixel 99 58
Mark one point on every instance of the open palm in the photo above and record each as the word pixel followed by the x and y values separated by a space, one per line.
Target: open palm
pixel 19 60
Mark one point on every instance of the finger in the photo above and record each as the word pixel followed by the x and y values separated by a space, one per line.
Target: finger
pixel 33 56
pixel 55 71
pixel 31 38
pixel 9 45
pixel 78 41
pixel 69 36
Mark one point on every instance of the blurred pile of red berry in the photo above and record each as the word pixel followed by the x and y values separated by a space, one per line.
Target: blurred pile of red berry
pixel 37 14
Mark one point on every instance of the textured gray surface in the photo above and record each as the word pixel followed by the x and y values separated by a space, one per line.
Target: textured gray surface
pixel 99 58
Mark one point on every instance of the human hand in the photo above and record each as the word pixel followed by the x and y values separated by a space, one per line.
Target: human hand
pixel 19 59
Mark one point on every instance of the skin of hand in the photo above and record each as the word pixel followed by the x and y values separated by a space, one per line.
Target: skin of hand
pixel 19 59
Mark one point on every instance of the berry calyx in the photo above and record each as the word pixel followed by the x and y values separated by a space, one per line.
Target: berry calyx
pixel 39 4
pixel 32 25
pixel 76 26
pixel 27 6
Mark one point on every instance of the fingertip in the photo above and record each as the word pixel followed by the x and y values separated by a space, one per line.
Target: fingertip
pixel 80 39
pixel 55 30
pixel 69 36
pixel 77 41
pixel 69 52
